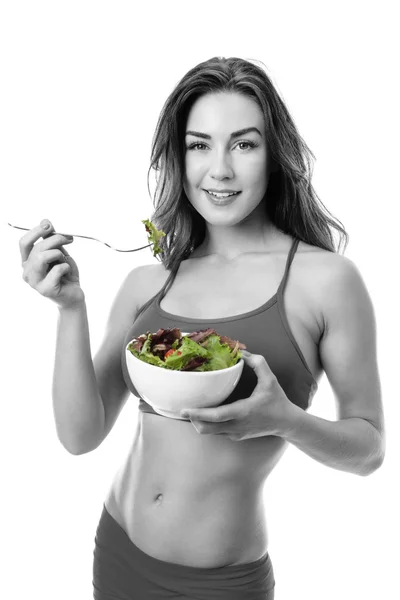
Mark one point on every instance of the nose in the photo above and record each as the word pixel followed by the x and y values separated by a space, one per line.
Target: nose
pixel 221 166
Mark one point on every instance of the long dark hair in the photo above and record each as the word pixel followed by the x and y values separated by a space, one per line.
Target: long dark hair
pixel 291 203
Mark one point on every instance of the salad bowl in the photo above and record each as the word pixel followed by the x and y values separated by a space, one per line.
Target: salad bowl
pixel 169 390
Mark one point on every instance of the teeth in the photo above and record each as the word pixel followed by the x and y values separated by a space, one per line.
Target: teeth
pixel 222 195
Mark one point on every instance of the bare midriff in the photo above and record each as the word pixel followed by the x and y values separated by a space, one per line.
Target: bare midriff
pixel 194 499
pixel 197 499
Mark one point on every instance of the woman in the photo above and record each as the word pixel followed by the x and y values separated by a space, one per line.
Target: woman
pixel 184 516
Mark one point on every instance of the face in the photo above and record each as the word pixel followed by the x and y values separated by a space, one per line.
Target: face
pixel 219 160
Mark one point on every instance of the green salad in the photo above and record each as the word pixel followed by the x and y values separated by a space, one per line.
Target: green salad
pixel 153 235
pixel 203 350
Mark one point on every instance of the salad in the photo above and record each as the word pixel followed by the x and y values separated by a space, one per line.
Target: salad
pixel 203 350
pixel 153 235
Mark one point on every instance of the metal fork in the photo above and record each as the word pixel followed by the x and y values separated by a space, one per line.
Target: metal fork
pixel 87 238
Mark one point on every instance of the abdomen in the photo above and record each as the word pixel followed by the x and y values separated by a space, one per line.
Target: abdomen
pixel 194 499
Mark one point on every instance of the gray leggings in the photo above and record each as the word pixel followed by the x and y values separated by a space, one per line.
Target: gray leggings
pixel 121 571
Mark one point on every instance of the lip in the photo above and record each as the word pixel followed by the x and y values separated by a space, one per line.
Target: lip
pixel 224 191
pixel 223 202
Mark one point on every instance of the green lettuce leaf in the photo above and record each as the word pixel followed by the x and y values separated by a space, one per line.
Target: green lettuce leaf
pixel 219 356
pixel 153 236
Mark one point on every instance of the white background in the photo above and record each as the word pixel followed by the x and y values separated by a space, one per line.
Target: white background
pixel 82 87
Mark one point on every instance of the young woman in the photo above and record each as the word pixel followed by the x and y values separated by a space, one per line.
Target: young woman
pixel 184 516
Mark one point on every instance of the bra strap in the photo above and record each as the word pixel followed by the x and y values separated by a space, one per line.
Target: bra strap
pixel 288 263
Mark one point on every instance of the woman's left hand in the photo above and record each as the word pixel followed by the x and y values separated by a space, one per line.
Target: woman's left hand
pixel 268 411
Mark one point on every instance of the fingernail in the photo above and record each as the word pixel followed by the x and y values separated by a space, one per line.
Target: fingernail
pixel 45 224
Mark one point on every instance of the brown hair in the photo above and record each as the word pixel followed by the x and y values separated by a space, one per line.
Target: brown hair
pixel 291 203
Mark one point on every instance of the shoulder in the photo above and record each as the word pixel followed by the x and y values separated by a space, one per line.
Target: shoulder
pixel 334 282
pixel 155 275
pixel 150 279
pixel 328 268
pixel 345 293
pixel 319 278
pixel 316 266
pixel 328 265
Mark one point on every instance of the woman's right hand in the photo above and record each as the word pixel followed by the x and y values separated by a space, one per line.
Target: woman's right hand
pixel 48 268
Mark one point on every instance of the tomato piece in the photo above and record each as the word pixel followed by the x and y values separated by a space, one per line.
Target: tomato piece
pixel 172 351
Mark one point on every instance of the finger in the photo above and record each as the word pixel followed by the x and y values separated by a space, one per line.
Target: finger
pixel 53 278
pixel 52 256
pixel 219 414
pixel 258 363
pixel 41 264
pixel 54 241
pixel 28 240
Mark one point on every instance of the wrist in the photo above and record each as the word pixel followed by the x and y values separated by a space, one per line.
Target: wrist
pixel 292 422
pixel 73 308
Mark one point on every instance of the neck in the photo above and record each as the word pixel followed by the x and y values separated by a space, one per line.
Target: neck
pixel 229 245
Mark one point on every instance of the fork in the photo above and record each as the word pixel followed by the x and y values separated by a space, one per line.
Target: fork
pixel 87 238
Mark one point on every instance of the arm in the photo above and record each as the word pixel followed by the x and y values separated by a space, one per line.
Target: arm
pixel 88 395
pixel 77 405
pixel 356 441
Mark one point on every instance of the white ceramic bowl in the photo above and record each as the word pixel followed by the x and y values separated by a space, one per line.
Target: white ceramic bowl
pixel 169 391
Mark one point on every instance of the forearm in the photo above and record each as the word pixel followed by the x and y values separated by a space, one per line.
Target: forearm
pixel 353 445
pixel 77 404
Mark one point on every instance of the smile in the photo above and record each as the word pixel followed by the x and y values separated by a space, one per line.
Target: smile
pixel 222 194
pixel 221 199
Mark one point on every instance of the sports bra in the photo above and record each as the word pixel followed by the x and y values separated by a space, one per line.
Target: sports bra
pixel 264 330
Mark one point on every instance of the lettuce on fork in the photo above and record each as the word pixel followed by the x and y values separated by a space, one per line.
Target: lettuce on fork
pixel 153 235
pixel 203 350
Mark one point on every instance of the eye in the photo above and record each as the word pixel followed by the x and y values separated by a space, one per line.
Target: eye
pixel 251 144
pixel 196 144
pixel 192 146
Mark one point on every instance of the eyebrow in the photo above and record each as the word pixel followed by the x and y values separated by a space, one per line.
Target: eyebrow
pixel 233 135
